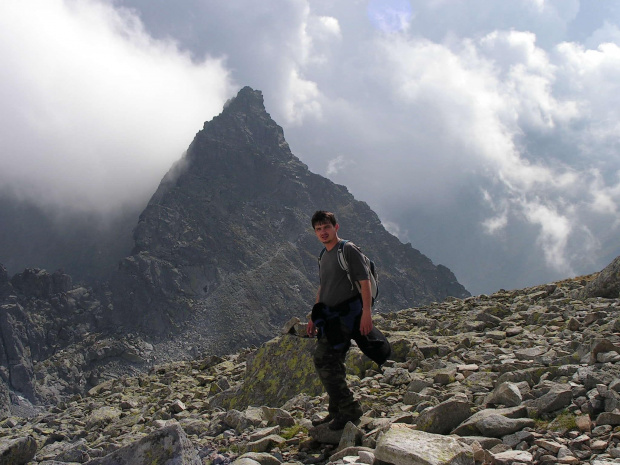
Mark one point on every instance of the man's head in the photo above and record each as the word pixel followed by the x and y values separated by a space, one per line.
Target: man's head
pixel 325 228
pixel 323 217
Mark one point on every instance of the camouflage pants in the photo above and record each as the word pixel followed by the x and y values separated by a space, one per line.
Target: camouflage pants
pixel 329 364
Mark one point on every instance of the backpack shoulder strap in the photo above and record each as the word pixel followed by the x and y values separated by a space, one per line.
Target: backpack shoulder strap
pixel 321 255
pixel 342 261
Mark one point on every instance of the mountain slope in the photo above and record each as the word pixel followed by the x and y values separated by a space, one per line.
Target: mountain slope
pixel 224 250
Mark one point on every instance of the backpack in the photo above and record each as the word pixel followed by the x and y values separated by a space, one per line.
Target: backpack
pixel 368 263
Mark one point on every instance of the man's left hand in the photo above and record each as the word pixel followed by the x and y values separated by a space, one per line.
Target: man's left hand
pixel 366 323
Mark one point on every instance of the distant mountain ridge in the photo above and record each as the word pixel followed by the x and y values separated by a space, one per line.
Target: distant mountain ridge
pixel 226 244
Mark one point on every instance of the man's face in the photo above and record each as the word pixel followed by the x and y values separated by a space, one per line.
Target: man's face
pixel 326 233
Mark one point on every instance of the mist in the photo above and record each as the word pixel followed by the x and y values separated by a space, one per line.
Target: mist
pixel 94 109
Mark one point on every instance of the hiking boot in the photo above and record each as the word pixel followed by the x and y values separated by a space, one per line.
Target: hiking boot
pixel 341 420
pixel 324 420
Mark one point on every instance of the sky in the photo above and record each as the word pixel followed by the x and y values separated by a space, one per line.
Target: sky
pixel 485 133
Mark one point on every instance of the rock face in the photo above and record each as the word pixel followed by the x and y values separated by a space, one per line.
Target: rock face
pixel 51 341
pixel 225 245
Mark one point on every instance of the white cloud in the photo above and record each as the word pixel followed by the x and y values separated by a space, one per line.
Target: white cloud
pixel 94 110
pixel 330 26
pixel 337 164
pixel 465 118
pixel 555 231
pixel 302 99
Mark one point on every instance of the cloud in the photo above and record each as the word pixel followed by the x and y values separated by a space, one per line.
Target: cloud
pixel 484 133
pixel 337 164
pixel 500 112
pixel 94 109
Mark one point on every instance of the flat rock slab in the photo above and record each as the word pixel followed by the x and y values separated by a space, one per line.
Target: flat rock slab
pixel 495 426
pixel 404 446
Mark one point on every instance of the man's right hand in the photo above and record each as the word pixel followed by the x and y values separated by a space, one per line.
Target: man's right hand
pixel 311 329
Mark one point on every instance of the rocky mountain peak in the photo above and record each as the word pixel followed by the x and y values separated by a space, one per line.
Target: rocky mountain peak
pixel 244 123
pixel 225 244
pixel 247 100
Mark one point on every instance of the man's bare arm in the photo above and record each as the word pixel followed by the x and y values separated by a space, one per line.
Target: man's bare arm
pixel 366 323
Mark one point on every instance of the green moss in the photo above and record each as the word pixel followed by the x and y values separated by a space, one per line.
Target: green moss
pixel 565 421
pixel 291 432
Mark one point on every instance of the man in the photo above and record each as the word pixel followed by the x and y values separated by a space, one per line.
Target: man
pixel 341 312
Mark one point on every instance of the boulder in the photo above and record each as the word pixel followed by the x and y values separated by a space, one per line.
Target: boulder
pixel 606 284
pixel 469 426
pixel 507 394
pixel 496 426
pixel 279 370
pixel 166 445
pixel 558 397
pixel 444 417
pixel 404 446
pixel 17 451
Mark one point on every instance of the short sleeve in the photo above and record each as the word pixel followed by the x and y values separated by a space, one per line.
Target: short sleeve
pixel 357 268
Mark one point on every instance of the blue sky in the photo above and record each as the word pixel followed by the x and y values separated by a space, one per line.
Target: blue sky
pixel 485 133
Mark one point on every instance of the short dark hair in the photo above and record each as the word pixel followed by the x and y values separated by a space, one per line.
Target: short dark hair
pixel 323 217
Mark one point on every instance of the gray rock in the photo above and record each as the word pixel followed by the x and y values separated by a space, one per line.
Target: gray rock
pixel 483 441
pixel 469 428
pixel 396 376
pixel 77 452
pixel 531 353
pixel 418 383
pixel 444 417
pixel 608 418
pixel 507 394
pixel 602 346
pixel 247 461
pixel 261 458
pixel 558 397
pixel 278 416
pixel 499 425
pixel 511 440
pixel 17 451
pixel 511 457
pixel 403 446
pixel 445 377
pixel 266 444
pixel 351 436
pixel 351 451
pixel 291 358
pixel 167 445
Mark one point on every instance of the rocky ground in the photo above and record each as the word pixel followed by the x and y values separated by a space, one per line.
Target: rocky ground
pixel 528 376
